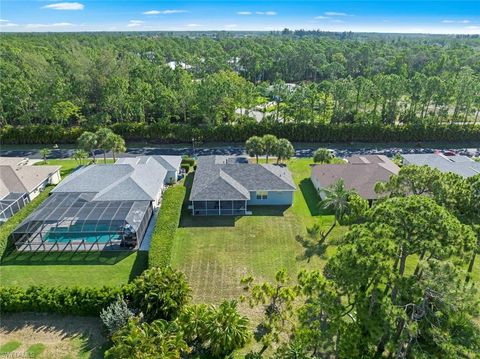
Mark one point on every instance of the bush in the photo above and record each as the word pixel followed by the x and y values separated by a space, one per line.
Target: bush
pixel 167 222
pixel 116 315
pixel 188 161
pixel 186 167
pixel 159 293
pixel 295 132
pixel 61 300
pixel 6 243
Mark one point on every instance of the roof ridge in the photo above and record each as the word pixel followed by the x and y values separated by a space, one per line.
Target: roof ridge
pixel 234 183
pixel 267 165
pixel 113 184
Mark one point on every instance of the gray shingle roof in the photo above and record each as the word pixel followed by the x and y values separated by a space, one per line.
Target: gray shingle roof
pixel 23 179
pixel 460 165
pixel 117 182
pixel 170 163
pixel 216 178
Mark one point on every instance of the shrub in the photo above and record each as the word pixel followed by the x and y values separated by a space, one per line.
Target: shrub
pixel 159 293
pixel 297 132
pixel 186 167
pixel 116 315
pixel 6 243
pixel 167 222
pixel 188 161
pixel 61 300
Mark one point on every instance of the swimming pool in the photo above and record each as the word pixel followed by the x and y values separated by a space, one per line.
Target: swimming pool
pixel 88 233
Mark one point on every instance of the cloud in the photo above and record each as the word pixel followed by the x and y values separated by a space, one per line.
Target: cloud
pixel 164 12
pixel 3 20
pixel 57 24
pixel 135 23
pixel 244 13
pixel 268 13
pixel 321 17
pixel 193 25
pixel 456 21
pixel 334 13
pixel 7 24
pixel 473 27
pixel 337 21
pixel 65 6
pixel 230 26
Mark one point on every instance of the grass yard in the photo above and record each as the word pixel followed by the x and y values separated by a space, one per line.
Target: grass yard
pixel 38 335
pixel 215 252
pixel 68 164
pixel 83 269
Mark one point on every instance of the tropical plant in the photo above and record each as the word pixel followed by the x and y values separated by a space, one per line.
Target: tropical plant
pixel 159 293
pixel 118 145
pixel 322 155
pixel 255 147
pixel 80 156
pixel 159 339
pixel 337 200
pixel 45 152
pixel 105 140
pixel 269 143
pixel 116 315
pixel 88 142
pixel 283 150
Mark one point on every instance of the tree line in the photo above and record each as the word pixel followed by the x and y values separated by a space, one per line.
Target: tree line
pixel 102 79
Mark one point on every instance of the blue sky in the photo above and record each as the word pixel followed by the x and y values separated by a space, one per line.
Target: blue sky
pixel 437 16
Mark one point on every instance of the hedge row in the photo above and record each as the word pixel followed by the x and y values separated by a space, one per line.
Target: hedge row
pixel 168 218
pixel 163 132
pixel 7 228
pixel 61 300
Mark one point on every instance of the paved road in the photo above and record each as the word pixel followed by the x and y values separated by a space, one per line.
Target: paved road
pixel 299 152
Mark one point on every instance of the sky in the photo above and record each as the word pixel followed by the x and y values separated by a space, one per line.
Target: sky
pixel 397 16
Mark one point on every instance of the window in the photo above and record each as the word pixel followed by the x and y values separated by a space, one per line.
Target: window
pixel 262 195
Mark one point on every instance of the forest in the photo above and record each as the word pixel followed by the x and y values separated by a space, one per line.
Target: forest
pixel 217 79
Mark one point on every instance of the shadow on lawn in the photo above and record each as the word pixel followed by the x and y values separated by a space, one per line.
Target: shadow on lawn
pixel 312 198
pixel 81 258
pixel 84 329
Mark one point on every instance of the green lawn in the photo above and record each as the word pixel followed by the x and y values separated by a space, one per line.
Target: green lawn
pixel 68 164
pixel 82 269
pixel 215 252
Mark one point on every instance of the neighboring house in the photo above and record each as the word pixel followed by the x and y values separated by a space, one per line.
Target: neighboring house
pixel 228 186
pixel 171 164
pixel 359 173
pixel 97 207
pixel 20 183
pixel 461 165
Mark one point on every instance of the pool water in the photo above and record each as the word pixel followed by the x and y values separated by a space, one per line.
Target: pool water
pixel 88 233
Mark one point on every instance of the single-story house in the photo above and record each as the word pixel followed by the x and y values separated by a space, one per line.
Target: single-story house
pixel 228 186
pixel 461 165
pixel 96 207
pixel 359 173
pixel 171 164
pixel 20 183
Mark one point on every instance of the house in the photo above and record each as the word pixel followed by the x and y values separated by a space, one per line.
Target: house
pixel 461 165
pixel 171 164
pixel 229 186
pixel 359 173
pixel 98 207
pixel 20 183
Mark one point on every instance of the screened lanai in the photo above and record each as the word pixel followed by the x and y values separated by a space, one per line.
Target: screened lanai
pixel 76 222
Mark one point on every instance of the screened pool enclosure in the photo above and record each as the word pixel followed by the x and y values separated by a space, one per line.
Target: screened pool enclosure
pixel 75 222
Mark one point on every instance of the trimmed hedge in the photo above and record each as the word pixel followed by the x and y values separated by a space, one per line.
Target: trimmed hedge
pixel 7 228
pixel 61 300
pixel 168 218
pixel 164 132
pixel 188 161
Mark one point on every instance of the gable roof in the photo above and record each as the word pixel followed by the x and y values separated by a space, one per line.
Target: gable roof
pixel 170 163
pixel 461 165
pixel 117 182
pixel 23 179
pixel 217 178
pixel 361 177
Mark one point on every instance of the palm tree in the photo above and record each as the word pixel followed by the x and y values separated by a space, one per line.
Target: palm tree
pixel 269 143
pixel 284 150
pixel 118 145
pixel 45 152
pixel 336 199
pixel 105 138
pixel 79 155
pixel 88 142
pixel 255 147
pixel 322 155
